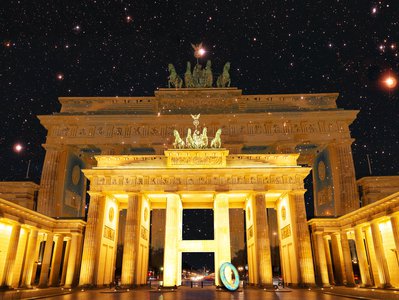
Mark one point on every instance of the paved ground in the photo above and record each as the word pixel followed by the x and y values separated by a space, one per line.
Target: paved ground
pixel 206 293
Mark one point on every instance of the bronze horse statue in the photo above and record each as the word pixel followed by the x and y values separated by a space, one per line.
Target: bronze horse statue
pixel 174 80
pixel 224 79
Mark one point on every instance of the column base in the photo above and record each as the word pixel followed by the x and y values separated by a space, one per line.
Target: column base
pixel 385 286
pixel 350 285
pixel 168 288
pixel 267 286
pixel 87 286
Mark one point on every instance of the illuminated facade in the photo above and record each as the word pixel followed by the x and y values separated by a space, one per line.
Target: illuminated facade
pixel 120 151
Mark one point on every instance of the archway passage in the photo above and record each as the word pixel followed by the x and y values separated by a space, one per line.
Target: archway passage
pixel 198 268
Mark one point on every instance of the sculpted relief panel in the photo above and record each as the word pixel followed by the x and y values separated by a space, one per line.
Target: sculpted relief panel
pixel 156 180
pixel 252 128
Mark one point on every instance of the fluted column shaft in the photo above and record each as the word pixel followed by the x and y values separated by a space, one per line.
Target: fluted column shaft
pixel 338 259
pixel 323 268
pixel 361 255
pixel 301 237
pixel 344 179
pixel 395 230
pixel 130 242
pixel 172 237
pixel 45 268
pixel 222 232
pixel 92 239
pixel 11 256
pixel 262 242
pixel 30 258
pixel 328 259
pixel 72 259
pixel 65 262
pixel 56 263
pixel 382 266
pixel 346 253
pixel 47 193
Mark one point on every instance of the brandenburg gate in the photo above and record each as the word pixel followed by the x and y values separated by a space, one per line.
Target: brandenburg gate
pixel 129 162
pixel 193 178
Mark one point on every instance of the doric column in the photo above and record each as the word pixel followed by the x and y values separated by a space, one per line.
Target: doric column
pixel 375 279
pixel 222 232
pixel 262 242
pixel 92 240
pixel 130 241
pixel 48 183
pixel 327 251
pixel 301 237
pixel 56 263
pixel 382 266
pixel 346 253
pixel 43 281
pixel 342 167
pixel 395 230
pixel 30 259
pixel 40 238
pixel 172 238
pixel 321 253
pixel 11 256
pixel 338 259
pixel 65 262
pixel 72 259
pixel 361 255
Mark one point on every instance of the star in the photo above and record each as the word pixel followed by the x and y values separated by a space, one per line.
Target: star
pixel 18 147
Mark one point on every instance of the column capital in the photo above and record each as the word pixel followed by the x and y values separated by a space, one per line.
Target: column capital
pixel 394 215
pixel 52 147
pixel 259 195
pixel 347 141
pixel 132 194
pixel 95 194
pixel 299 192
pixel 360 226
pixel 335 233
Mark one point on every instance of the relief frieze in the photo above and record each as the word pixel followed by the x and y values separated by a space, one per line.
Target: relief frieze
pixel 251 128
pixel 141 180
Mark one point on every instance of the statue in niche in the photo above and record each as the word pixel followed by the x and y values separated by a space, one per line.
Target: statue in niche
pixel 208 77
pixel 174 80
pixel 217 141
pixel 224 79
pixel 188 77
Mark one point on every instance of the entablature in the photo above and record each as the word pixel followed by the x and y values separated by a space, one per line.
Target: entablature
pixel 260 129
pixel 187 100
pixel 371 212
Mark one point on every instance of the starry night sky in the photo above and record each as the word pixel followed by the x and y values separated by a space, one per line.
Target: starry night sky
pixel 107 48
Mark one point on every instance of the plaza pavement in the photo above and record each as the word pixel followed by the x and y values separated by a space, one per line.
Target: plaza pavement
pixel 206 293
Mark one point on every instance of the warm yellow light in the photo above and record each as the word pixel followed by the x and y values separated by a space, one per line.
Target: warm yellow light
pixel 5 229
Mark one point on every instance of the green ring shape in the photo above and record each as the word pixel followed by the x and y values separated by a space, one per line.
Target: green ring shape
pixel 230 286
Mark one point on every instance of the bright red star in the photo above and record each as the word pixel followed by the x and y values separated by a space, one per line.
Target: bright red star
pixel 389 81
